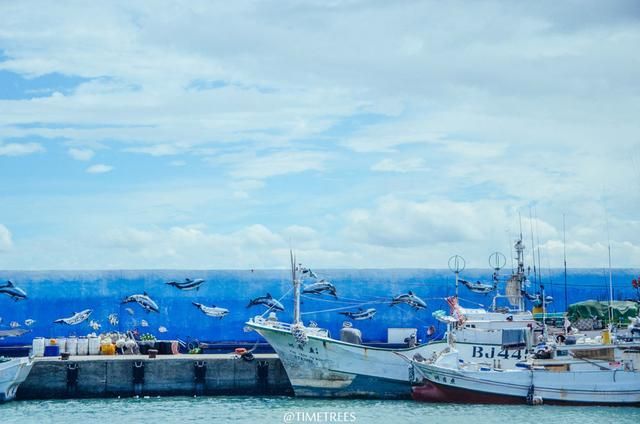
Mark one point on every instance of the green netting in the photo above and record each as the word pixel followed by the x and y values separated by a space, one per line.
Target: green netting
pixel 623 311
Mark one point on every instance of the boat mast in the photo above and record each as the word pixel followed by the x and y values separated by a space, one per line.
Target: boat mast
pixel 610 279
pixel 520 275
pixel 533 251
pixel 564 248
pixel 296 289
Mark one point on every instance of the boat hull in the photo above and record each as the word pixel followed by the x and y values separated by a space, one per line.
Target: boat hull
pixel 324 367
pixel 601 387
pixel 12 373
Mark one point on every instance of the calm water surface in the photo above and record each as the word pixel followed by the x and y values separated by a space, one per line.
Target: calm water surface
pixel 290 410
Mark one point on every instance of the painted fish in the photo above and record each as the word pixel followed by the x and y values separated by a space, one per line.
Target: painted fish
pixel 29 322
pixel 321 287
pixel 95 325
pixel 478 287
pixel 113 319
pixel 76 318
pixel 14 324
pixel 162 329
pixel 14 332
pixel 360 314
pixel 267 301
pixel 410 299
pixel 188 284
pixel 144 323
pixel 212 311
pixel 16 293
pixel 129 310
pixel 143 300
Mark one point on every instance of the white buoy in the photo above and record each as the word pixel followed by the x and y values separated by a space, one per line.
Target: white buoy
pixel 94 345
pixel 38 346
pixel 83 346
pixel 72 346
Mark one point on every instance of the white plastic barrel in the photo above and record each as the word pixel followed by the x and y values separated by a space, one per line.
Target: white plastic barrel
pixel 72 346
pixel 94 345
pixel 62 343
pixel 83 346
pixel 38 346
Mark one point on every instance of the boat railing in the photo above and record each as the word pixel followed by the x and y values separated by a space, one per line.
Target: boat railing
pixel 280 325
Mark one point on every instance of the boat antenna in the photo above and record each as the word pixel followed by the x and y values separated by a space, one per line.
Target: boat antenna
pixel 535 214
pixel 610 277
pixel 564 248
pixel 296 289
pixel 456 265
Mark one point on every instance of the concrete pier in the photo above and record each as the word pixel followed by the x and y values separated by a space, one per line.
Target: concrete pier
pixel 171 375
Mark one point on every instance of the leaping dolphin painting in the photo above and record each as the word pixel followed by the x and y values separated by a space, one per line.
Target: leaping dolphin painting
pixel 76 318
pixel 16 293
pixel 143 300
pixel 188 284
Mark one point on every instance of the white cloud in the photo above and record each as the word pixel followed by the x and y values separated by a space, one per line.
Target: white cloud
pixel 400 223
pixel 399 165
pixel 158 149
pixel 81 154
pixel 20 149
pixel 270 165
pixel 99 168
pixel 240 87
pixel 6 243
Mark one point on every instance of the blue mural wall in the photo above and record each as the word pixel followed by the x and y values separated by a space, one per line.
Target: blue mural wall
pixel 52 295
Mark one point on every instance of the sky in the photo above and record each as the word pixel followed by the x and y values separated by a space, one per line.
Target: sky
pixel 365 134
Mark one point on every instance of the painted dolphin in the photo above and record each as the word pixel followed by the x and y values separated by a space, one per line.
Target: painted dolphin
pixel 267 301
pixel 211 311
pixel 410 299
pixel 360 314
pixel 16 293
pixel 307 271
pixel 478 287
pixel 188 284
pixel 14 332
pixel 76 318
pixel 321 287
pixel 143 300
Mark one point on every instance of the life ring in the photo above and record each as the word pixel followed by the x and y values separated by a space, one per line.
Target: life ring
pixel 240 351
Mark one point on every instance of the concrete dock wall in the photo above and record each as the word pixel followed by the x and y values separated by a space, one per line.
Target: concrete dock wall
pixel 176 375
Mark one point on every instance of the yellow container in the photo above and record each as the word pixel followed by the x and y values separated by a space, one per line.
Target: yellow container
pixel 537 310
pixel 108 349
pixel 606 337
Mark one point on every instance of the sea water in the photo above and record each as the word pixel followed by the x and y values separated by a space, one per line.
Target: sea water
pixel 291 410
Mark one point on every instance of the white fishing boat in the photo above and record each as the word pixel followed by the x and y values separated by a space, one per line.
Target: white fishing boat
pixel 13 371
pixel 590 379
pixel 321 366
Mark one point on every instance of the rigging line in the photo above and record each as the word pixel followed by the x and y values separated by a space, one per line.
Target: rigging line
pixel 319 299
pixel 279 300
pixel 425 323
pixel 327 310
pixel 338 309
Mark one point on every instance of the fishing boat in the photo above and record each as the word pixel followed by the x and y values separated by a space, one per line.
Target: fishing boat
pixel 587 378
pixel 13 371
pixel 320 366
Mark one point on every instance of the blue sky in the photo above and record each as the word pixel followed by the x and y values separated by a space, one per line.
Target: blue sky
pixel 363 134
